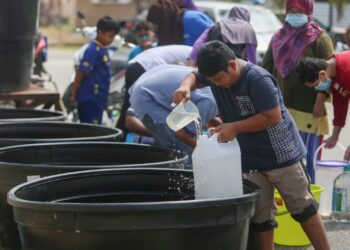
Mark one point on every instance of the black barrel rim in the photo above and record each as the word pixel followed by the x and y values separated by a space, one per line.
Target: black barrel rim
pixel 117 133
pixel 50 115
pixel 16 202
pixel 92 144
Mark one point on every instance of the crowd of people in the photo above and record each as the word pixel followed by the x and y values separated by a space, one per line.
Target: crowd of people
pixel 275 110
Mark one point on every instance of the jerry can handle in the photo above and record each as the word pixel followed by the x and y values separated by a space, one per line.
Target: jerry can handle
pixel 320 147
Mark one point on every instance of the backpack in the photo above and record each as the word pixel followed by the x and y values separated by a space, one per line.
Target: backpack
pixel 215 35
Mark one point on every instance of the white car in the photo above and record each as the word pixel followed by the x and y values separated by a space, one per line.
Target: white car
pixel 263 20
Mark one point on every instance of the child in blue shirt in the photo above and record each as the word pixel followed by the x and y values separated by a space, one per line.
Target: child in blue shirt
pixel 91 84
pixel 145 38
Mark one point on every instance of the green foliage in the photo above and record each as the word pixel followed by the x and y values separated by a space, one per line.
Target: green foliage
pixel 340 6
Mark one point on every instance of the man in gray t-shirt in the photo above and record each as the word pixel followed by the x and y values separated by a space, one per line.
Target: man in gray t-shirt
pixel 169 54
pixel 151 98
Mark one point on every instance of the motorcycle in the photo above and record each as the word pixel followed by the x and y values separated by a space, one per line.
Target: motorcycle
pixel 118 52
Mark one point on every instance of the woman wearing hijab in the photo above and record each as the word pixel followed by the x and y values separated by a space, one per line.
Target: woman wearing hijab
pixel 235 31
pixel 299 37
pixel 167 16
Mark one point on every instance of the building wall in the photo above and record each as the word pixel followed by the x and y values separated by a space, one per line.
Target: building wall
pixel 94 11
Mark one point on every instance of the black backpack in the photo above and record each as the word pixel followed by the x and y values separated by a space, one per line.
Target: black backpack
pixel 215 35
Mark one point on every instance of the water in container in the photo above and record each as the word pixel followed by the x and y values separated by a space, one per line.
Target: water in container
pixel 341 197
pixel 182 115
pixel 217 168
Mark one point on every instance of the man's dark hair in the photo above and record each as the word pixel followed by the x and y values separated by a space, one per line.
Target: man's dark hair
pixel 308 68
pixel 108 24
pixel 213 58
pixel 142 25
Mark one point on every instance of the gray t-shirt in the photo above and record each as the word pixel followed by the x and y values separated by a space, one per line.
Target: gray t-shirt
pixel 275 147
pixel 168 54
pixel 152 95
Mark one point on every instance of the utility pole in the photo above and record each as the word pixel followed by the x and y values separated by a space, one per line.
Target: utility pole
pixel 330 15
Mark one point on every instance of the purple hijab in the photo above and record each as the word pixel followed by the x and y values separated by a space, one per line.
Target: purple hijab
pixel 189 5
pixel 237 29
pixel 288 44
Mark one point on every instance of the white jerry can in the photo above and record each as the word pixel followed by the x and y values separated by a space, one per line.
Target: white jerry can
pixel 217 168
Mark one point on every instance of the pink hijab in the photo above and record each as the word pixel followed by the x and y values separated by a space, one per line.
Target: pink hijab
pixel 288 44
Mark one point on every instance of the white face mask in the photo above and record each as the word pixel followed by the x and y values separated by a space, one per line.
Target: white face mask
pixel 296 20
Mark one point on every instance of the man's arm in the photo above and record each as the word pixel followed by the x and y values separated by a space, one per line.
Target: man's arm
pixel 319 108
pixel 134 124
pixel 183 92
pixel 183 136
pixel 258 122
pixel 79 76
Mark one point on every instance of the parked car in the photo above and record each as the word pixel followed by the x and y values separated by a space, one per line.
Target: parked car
pixel 263 20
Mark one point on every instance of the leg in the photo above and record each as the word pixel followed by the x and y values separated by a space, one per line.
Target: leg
pixel 314 229
pixel 263 220
pixel 264 240
pixel 90 112
pixel 293 185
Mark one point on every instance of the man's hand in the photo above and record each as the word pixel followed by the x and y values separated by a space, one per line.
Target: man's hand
pixel 330 142
pixel 227 132
pixel 182 93
pixel 347 154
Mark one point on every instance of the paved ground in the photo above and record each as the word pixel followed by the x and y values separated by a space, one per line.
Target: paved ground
pixel 60 65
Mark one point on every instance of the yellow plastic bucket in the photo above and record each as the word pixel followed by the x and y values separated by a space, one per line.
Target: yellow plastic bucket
pixel 289 232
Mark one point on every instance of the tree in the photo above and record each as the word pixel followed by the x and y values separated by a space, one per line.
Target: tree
pixel 340 6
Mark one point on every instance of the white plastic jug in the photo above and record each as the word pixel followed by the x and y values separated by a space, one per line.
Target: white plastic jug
pixel 182 115
pixel 217 168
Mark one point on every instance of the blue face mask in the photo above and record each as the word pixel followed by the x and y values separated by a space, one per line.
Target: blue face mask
pixel 323 86
pixel 296 20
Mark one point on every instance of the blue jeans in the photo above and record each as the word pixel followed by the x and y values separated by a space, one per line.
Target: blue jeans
pixel 166 138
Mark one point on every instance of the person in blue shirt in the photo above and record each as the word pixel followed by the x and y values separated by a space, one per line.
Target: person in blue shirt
pixel 151 98
pixel 252 109
pixel 91 84
pixel 194 24
pixel 145 38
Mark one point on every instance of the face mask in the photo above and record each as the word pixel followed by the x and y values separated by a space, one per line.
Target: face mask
pixel 144 38
pixel 296 20
pixel 323 86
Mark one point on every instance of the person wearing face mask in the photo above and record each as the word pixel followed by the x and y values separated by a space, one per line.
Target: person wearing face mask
pixel 299 37
pixel 331 75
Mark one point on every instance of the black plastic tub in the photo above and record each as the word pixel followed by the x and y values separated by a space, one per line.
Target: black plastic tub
pixel 20 133
pixel 18 28
pixel 33 115
pixel 129 209
pixel 22 163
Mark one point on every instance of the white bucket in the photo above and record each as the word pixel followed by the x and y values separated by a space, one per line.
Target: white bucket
pixel 325 173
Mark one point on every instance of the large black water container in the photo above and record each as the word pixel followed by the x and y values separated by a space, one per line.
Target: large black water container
pixel 19 164
pixel 18 28
pixel 20 133
pixel 129 209
pixel 21 115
